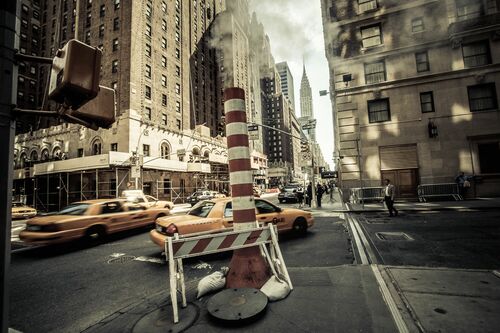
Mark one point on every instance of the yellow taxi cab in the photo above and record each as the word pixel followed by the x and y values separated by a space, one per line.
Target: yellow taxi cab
pixel 217 214
pixel 92 219
pixel 21 211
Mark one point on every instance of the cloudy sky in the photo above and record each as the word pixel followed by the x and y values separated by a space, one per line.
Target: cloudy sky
pixel 296 32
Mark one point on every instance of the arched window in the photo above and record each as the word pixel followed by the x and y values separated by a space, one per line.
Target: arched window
pixel 44 156
pixel 196 151
pixel 206 154
pixel 96 147
pixel 165 151
pixel 22 160
pixel 34 156
pixel 56 153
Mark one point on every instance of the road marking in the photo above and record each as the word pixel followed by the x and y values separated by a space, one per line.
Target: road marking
pixel 389 300
pixel 139 258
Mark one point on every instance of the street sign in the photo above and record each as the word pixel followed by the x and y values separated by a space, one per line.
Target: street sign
pixel 329 174
pixel 135 171
pixel 253 132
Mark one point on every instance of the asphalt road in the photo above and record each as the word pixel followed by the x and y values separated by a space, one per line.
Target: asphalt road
pixel 71 288
pixel 453 239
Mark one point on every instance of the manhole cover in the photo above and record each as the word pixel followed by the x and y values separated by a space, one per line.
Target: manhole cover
pixel 393 236
pixel 120 260
pixel 162 320
pixel 240 305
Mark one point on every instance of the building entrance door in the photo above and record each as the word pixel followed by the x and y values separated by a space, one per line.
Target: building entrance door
pixel 405 181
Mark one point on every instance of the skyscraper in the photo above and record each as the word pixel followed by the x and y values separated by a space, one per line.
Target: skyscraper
pixel 306 107
pixel 286 82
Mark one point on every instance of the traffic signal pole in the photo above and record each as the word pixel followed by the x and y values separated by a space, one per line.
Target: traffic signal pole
pixel 9 41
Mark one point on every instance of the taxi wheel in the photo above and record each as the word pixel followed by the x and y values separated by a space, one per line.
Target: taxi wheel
pixel 300 226
pixel 95 233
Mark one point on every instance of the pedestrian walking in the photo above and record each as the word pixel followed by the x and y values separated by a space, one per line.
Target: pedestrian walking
pixel 309 194
pixel 389 192
pixel 463 184
pixel 319 194
pixel 300 197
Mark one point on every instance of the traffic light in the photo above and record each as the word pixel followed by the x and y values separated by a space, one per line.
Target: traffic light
pixel 74 77
pixel 98 112
pixel 304 146
pixel 221 127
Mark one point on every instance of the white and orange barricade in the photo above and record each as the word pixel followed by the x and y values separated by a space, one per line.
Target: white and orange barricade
pixel 193 245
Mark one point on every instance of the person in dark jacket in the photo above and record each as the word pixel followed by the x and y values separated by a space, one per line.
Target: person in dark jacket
pixel 319 194
pixel 309 194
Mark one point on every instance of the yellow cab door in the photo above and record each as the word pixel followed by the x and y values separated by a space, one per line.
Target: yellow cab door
pixel 227 214
pixel 115 216
pixel 269 213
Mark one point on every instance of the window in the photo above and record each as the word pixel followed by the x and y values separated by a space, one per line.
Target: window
pixel 163 61
pixel 417 24
pixel 177 53
pixel 145 150
pixel 115 44
pixel 149 11
pixel 165 150
pixel 177 71
pixel 114 147
pixel 163 6
pixel 163 43
pixel 482 97
pixel 148 30
pixel 427 102
pixel 422 60
pixel 114 66
pixel 88 22
pixel 476 54
pixel 79 152
pixel 147 113
pixel 378 110
pixel 147 71
pixel 365 5
pixel 102 11
pixel 147 92
pixel 114 85
pixel 117 4
pixel 148 50
pixel 164 119
pixel 96 147
pixel 467 9
pixel 228 210
pixel 177 37
pixel 375 72
pixel 164 25
pixel 371 35
pixel 164 100
pixel 177 21
pixel 177 89
pixel 489 157
pixel 178 122
pixel 178 106
pixel 163 80
pixel 111 207
pixel 33 70
pixel 101 31
pixel 116 23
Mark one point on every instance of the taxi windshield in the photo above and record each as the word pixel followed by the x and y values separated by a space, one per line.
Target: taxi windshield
pixel 74 209
pixel 202 209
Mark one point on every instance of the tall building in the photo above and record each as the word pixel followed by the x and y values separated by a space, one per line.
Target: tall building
pixel 415 89
pixel 286 82
pixel 147 48
pixel 306 105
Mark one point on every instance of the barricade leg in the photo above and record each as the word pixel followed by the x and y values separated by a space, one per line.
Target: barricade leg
pixel 280 256
pixel 180 269
pixel 173 279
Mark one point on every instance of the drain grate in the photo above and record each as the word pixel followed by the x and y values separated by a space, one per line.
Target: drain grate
pixel 310 278
pixel 121 260
pixel 393 236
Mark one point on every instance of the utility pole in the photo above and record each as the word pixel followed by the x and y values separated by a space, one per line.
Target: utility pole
pixel 9 42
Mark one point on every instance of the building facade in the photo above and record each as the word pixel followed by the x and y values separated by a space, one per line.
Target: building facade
pixel 415 89
pixel 286 78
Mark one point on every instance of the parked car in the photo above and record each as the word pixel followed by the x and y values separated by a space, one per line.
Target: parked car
pixel 198 196
pixel 290 193
pixel 137 196
pixel 22 211
pixel 90 219
pixel 217 214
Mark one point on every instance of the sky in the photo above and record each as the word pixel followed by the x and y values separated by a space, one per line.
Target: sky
pixel 295 30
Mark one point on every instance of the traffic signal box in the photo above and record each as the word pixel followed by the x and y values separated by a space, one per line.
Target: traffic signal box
pixel 74 83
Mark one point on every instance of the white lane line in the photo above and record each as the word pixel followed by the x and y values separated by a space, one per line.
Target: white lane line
pixel 361 250
pixel 149 259
pixel 386 294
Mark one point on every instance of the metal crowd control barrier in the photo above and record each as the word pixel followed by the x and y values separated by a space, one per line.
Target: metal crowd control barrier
pixel 438 190
pixel 180 247
pixel 359 195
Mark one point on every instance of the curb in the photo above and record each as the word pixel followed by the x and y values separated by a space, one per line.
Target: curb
pixel 415 209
